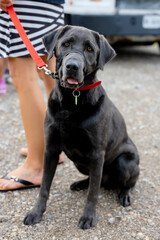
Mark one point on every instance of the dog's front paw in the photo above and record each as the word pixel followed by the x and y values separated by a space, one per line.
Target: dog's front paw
pixel 32 218
pixel 86 222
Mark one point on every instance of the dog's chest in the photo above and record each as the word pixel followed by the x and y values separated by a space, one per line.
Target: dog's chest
pixel 76 139
pixel 78 126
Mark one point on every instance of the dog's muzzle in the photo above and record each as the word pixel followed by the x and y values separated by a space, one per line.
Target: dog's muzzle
pixel 62 56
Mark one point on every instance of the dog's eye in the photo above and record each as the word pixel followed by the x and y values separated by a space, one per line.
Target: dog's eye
pixel 66 44
pixel 89 49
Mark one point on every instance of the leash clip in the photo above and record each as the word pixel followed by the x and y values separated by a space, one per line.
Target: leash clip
pixel 48 72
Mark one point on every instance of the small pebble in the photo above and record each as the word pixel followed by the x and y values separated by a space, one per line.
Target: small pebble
pixel 140 235
pixel 111 220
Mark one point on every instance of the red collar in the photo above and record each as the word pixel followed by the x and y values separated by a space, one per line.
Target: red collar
pixel 89 86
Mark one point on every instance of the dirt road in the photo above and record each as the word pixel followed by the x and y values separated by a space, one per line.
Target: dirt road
pixel 132 81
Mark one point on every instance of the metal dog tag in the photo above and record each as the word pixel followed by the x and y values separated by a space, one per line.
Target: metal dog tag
pixel 76 94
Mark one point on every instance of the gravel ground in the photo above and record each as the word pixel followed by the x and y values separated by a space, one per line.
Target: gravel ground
pixel 132 80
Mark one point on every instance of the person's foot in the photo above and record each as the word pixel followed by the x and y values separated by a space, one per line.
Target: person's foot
pixel 23 172
pixel 24 152
pixel 2 86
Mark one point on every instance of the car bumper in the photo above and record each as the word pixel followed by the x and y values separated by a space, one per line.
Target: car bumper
pixel 117 25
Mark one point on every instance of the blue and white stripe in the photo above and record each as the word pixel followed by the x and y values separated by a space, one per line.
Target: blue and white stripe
pixel 37 18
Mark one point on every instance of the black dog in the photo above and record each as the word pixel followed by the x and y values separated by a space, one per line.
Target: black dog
pixel 84 123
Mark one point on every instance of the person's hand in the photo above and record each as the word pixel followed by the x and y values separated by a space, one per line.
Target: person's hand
pixel 5 3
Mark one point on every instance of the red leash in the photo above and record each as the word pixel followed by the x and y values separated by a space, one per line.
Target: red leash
pixel 37 59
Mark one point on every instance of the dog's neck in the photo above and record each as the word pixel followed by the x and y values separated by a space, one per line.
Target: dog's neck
pixel 90 86
pixel 67 97
pixel 90 78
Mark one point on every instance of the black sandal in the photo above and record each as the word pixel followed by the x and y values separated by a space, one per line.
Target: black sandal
pixel 26 184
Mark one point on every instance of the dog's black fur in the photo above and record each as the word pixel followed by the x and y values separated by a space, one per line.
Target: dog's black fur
pixel 92 133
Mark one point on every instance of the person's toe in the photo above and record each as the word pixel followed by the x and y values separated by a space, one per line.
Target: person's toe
pixel 7 184
pixel 24 152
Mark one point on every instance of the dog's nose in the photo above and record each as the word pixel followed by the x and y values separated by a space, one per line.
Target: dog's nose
pixel 72 67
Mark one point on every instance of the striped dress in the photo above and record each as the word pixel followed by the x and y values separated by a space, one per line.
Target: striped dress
pixel 38 18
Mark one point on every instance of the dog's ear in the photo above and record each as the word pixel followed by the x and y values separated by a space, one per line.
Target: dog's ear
pixel 106 52
pixel 50 40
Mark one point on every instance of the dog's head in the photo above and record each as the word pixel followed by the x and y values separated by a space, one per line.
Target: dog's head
pixel 79 52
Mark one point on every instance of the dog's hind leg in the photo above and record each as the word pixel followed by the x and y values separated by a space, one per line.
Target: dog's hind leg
pixel 126 173
pixel 124 197
pixel 122 174
pixel 80 185
pixel 83 184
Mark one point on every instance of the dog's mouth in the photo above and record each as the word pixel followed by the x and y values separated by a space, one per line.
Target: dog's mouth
pixel 72 81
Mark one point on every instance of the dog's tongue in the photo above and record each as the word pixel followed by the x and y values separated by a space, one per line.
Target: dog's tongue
pixel 72 81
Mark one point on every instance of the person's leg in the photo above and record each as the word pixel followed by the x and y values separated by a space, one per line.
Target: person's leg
pixel 32 105
pixel 2 82
pixel 6 74
pixel 48 81
pixel 1 67
pixel 49 85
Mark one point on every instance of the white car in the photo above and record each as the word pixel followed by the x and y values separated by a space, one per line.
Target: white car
pixel 121 21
